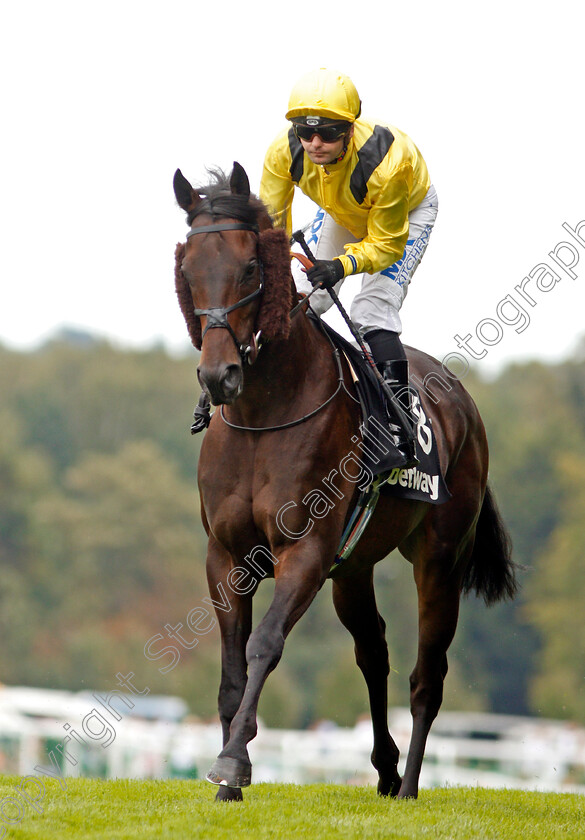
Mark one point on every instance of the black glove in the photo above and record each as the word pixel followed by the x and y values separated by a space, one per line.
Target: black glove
pixel 326 273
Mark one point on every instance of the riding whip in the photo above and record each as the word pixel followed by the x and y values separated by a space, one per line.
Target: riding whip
pixel 299 236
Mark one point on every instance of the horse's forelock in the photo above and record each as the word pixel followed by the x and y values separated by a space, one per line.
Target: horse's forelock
pixel 217 200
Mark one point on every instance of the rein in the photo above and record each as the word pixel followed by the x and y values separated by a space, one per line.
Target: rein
pixel 340 385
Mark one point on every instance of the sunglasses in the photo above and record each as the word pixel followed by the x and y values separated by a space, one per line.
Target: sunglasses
pixel 328 133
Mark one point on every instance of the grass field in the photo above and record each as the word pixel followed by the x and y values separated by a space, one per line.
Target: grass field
pixel 116 810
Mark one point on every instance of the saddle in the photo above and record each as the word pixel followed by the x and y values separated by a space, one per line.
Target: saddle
pixel 377 450
pixel 378 453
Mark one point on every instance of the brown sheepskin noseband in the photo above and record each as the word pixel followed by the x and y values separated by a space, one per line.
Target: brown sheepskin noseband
pixel 273 316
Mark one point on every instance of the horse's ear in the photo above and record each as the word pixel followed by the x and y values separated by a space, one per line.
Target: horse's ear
pixel 239 183
pixel 186 196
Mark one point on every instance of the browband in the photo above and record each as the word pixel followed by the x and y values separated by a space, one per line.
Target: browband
pixel 228 226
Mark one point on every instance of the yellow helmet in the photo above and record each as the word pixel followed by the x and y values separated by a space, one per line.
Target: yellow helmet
pixel 324 93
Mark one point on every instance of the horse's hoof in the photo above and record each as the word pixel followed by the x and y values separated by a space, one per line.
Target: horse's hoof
pixel 228 794
pixel 407 793
pixel 230 772
pixel 389 787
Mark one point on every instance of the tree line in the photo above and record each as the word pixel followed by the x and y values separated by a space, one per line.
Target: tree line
pixel 102 548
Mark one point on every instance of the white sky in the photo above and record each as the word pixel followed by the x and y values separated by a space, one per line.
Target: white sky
pixel 101 102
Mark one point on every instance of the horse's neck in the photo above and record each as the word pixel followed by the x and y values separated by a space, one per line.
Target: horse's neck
pixel 287 376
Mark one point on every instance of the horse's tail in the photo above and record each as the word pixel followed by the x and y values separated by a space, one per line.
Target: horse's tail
pixel 491 571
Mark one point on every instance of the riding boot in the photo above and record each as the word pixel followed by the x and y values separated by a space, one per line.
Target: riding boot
pixel 201 415
pixel 390 358
pixel 395 373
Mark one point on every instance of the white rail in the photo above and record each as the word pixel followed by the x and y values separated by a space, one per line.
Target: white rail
pixel 463 749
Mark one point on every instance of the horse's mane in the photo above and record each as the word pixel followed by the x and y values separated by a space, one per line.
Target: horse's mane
pixel 218 201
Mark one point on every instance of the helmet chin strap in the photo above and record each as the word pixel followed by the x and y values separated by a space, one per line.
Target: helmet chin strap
pixel 346 142
pixel 341 156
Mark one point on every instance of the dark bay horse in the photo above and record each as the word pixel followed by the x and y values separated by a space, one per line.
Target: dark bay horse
pixel 273 454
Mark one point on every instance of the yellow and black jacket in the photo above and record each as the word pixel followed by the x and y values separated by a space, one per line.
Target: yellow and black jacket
pixel 370 192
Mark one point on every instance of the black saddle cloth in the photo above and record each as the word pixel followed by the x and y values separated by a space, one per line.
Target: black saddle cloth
pixel 377 449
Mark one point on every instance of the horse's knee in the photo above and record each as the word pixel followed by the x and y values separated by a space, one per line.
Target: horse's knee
pixel 426 695
pixel 373 661
pixel 264 649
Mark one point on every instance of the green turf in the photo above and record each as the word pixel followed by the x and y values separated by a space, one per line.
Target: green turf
pixel 106 810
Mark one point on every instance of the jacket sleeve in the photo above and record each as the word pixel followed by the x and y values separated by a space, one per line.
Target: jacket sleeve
pixel 387 226
pixel 276 185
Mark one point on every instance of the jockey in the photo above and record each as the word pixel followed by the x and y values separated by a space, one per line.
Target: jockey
pixel 377 211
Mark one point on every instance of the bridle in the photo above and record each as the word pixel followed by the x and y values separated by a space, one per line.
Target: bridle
pixel 217 318
pixel 217 315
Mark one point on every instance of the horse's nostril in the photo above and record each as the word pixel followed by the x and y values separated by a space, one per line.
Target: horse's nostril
pixel 223 384
pixel 232 379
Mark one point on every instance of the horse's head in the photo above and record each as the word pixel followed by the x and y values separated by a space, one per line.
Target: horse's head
pixel 232 277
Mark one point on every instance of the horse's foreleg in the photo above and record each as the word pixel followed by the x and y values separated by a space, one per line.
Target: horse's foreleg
pixel 355 604
pixel 438 610
pixel 234 615
pixel 294 590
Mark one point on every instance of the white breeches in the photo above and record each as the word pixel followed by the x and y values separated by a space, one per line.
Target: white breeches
pixel 377 304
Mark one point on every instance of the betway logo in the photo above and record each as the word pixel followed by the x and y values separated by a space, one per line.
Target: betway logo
pixel 415 479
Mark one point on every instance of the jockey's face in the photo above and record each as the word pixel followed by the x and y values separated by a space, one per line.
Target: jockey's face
pixel 321 152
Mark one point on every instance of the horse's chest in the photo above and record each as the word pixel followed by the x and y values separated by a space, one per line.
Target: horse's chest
pixel 230 499
pixel 245 477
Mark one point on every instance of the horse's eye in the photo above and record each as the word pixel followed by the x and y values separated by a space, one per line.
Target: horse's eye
pixel 185 272
pixel 249 271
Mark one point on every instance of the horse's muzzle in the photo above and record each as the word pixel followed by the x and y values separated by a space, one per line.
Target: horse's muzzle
pixel 223 384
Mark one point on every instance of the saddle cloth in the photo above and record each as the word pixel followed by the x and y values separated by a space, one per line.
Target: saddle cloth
pixel 377 450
